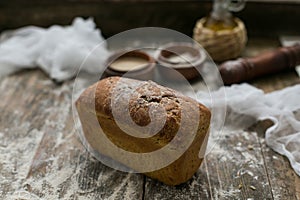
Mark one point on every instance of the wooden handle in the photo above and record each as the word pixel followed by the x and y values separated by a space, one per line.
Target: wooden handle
pixel 245 69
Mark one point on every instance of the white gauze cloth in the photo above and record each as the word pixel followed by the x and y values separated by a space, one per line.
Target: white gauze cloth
pixel 57 50
pixel 282 107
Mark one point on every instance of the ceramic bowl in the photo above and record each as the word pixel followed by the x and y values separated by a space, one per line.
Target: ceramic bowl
pixel 180 60
pixel 144 71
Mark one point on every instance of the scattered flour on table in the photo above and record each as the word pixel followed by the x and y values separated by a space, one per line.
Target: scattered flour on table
pixel 240 153
pixel 16 155
pixel 226 194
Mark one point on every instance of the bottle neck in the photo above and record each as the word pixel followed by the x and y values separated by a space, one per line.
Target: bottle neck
pixel 220 10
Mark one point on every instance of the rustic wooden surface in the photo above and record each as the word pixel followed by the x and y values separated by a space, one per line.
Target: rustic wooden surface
pixel 41 156
pixel 113 16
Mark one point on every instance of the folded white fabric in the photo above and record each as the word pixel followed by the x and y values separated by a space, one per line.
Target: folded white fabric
pixel 59 51
pixel 282 107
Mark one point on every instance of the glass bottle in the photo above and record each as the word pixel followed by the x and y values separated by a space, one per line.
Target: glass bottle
pixel 220 17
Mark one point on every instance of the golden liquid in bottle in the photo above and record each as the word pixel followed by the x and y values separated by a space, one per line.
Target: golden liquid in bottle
pixel 220 24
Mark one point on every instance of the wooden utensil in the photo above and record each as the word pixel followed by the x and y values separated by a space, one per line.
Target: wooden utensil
pixel 245 69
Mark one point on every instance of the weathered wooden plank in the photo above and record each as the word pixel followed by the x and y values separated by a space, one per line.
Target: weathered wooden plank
pixel 114 16
pixel 283 180
pixel 243 169
pixel 234 169
pixel 42 156
pixel 196 188
pixel 19 139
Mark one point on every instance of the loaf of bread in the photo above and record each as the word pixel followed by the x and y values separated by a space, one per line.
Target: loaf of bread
pixel 147 127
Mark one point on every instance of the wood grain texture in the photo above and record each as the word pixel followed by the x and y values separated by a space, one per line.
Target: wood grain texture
pixel 278 168
pixel 230 171
pixel 41 156
pixel 113 16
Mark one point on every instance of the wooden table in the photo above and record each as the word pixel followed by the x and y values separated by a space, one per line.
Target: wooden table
pixel 41 156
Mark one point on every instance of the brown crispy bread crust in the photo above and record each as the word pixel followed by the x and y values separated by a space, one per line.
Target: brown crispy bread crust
pixel 98 98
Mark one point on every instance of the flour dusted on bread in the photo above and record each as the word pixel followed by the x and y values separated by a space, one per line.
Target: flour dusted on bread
pixel 147 127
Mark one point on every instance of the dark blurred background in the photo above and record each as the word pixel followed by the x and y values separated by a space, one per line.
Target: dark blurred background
pixel 262 17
